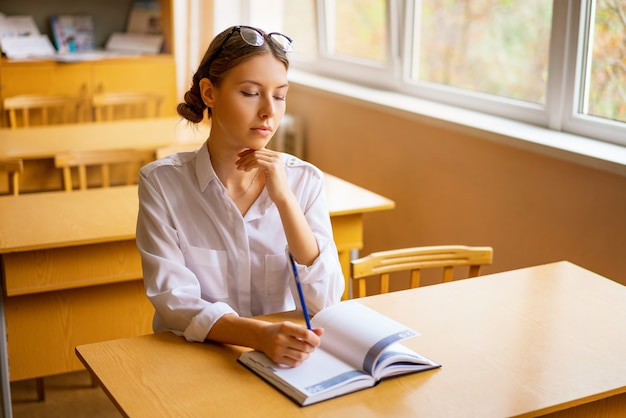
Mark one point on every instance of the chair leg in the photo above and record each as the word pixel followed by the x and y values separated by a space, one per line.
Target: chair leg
pixel 94 381
pixel 41 395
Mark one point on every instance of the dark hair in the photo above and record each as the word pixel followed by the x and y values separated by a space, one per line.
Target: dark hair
pixel 234 52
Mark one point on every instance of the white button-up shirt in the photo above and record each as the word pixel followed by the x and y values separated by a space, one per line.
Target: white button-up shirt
pixel 202 259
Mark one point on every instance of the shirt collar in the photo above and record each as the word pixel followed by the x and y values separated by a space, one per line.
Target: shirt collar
pixel 204 168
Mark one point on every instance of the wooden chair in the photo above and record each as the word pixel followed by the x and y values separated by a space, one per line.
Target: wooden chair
pixel 125 105
pixel 13 167
pixel 51 109
pixel 446 257
pixel 131 159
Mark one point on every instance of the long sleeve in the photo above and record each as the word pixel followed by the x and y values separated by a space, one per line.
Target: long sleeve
pixel 322 282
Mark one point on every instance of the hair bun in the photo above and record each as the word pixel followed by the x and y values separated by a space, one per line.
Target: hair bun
pixel 192 109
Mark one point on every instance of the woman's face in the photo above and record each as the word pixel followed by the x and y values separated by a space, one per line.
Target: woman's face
pixel 249 104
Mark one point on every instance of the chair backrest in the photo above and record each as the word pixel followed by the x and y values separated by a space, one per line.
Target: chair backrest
pixel 125 105
pixel 50 109
pixel 445 257
pixel 130 159
pixel 13 167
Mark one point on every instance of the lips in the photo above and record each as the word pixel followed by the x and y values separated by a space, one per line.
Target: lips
pixel 263 129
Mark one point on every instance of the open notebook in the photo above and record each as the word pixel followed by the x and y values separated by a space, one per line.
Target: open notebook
pixel 359 348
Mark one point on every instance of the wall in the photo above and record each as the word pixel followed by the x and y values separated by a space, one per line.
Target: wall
pixel 455 188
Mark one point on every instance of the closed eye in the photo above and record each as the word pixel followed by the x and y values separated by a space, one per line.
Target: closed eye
pixel 248 94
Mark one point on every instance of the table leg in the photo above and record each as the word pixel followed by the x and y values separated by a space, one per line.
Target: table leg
pixel 344 260
pixel 348 235
pixel 5 383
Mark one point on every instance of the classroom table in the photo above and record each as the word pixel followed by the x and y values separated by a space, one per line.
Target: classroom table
pixel 72 272
pixel 39 142
pixel 38 145
pixel 544 340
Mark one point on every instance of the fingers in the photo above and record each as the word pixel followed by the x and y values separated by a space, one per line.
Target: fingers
pixel 273 169
pixel 292 344
pixel 246 160
pixel 267 160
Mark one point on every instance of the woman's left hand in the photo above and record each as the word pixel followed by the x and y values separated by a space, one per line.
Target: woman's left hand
pixel 271 165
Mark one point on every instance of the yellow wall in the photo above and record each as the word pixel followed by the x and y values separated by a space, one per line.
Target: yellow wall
pixel 459 189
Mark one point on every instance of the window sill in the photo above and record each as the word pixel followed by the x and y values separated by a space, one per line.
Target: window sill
pixel 573 148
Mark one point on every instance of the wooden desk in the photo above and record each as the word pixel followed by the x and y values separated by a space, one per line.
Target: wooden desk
pixel 71 275
pixel 72 272
pixel 45 141
pixel 541 340
pixel 38 145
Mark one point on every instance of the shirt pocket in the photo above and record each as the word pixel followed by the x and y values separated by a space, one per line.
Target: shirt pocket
pixel 276 274
pixel 209 267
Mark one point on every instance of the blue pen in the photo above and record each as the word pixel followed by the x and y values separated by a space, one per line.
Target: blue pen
pixel 302 302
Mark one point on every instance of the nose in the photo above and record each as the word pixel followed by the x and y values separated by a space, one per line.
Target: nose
pixel 267 107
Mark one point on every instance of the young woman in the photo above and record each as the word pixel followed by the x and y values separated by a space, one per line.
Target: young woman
pixel 215 227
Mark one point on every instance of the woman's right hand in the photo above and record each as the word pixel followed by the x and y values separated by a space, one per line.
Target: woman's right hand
pixel 288 343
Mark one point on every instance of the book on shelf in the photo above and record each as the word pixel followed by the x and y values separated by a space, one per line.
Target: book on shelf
pixel 72 33
pixel 20 38
pixel 18 26
pixel 359 348
pixel 134 43
pixel 143 30
pixel 25 47
pixel 144 17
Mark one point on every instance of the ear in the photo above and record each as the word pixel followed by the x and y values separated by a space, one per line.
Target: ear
pixel 207 91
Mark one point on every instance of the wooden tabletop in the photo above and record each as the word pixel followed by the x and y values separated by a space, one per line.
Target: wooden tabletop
pixel 524 342
pixel 61 219
pixel 345 198
pixel 41 142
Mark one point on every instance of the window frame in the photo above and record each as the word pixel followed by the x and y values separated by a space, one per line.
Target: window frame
pixel 353 69
pixel 578 20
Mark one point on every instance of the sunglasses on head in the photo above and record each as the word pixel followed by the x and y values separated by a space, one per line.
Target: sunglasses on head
pixel 254 37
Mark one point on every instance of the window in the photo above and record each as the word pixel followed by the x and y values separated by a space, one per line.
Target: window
pixel 356 29
pixel 498 48
pixel 486 55
pixel 559 64
pixel 597 92
pixel 297 20
pixel 604 76
pixel 300 24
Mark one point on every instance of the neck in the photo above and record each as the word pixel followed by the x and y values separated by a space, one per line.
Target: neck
pixel 238 183
pixel 222 159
